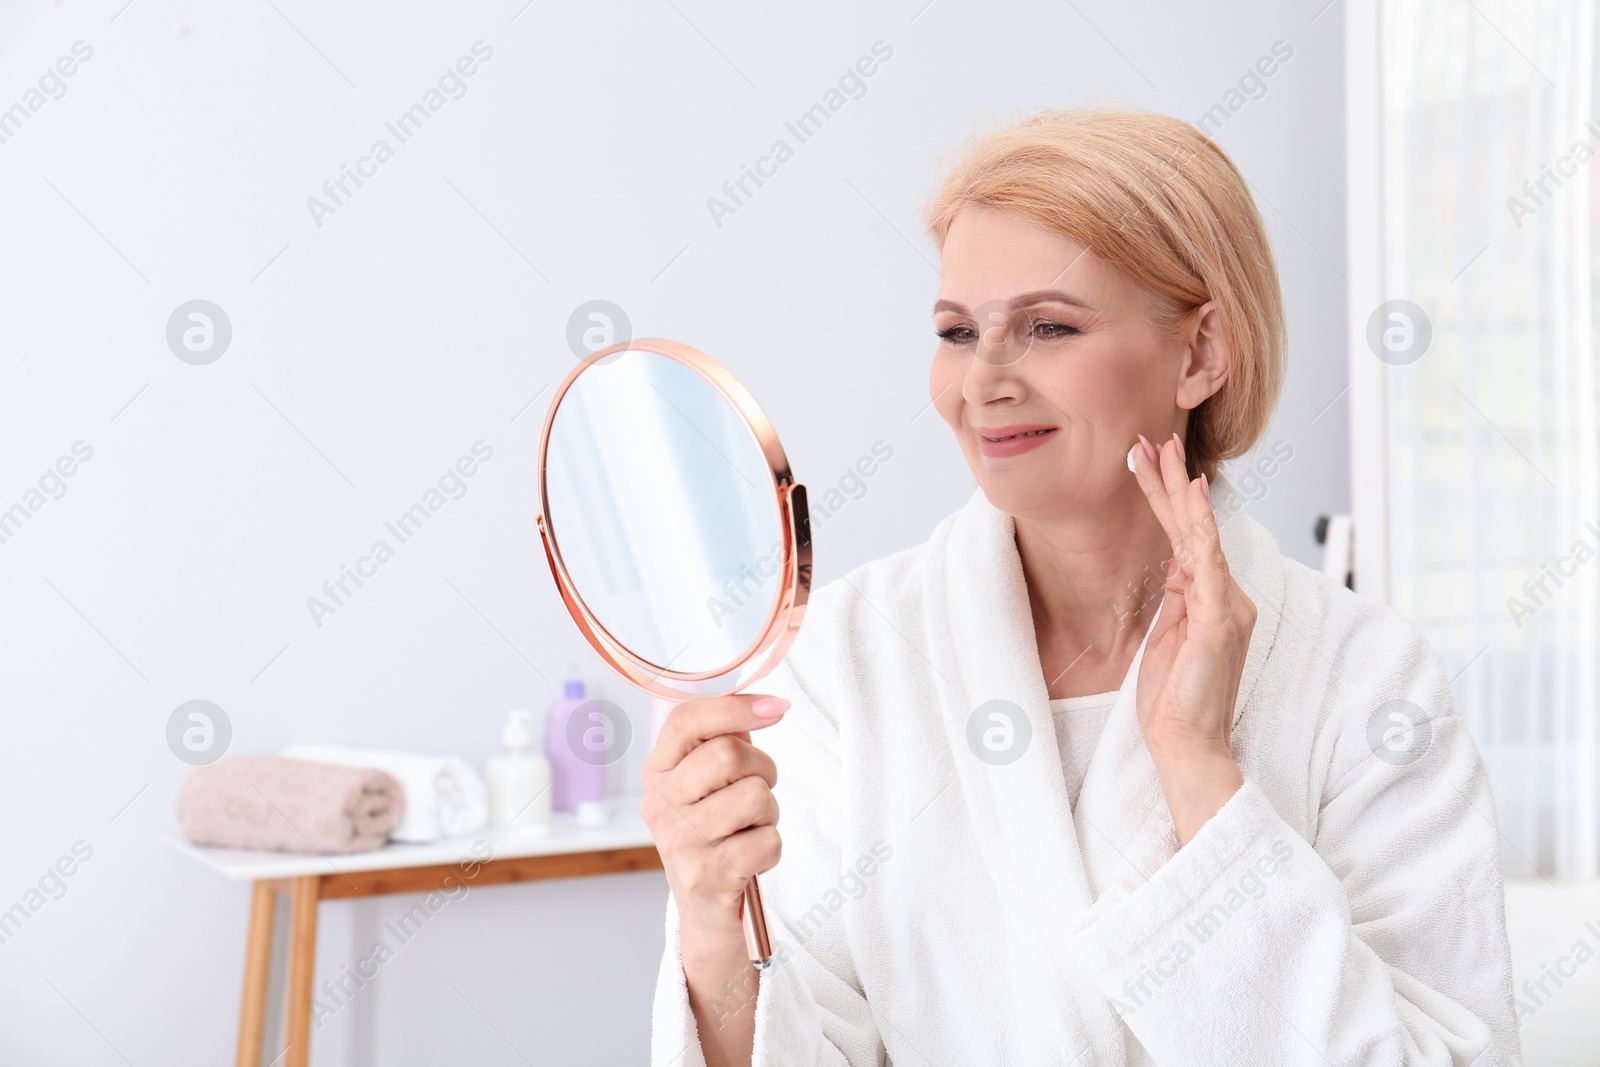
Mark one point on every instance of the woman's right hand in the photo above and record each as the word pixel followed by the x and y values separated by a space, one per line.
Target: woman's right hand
pixel 709 805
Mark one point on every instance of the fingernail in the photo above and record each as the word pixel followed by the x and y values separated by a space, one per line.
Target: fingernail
pixel 1205 485
pixel 1131 451
pixel 1181 454
pixel 769 707
pixel 1149 449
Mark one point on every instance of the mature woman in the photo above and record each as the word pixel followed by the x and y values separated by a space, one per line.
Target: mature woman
pixel 1096 775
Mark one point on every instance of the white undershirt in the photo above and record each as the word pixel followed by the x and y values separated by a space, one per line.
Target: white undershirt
pixel 1079 721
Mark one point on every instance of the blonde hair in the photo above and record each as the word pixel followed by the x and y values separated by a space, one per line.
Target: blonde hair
pixel 1157 198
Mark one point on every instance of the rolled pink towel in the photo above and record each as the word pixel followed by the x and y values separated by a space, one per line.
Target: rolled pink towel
pixel 287 805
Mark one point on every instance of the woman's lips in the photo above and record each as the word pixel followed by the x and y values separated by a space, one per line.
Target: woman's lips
pixel 1012 440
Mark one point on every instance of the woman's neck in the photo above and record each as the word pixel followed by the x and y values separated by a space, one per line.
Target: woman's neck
pixel 1094 583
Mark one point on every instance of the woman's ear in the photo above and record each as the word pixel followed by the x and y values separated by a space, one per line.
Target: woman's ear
pixel 1206 360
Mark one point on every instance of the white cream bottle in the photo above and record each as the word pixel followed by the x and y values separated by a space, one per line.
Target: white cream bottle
pixel 519 779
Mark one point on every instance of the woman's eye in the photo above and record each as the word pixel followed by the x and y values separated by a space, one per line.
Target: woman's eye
pixel 957 335
pixel 1054 329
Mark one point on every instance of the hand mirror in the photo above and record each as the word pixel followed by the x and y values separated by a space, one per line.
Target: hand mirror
pixel 678 538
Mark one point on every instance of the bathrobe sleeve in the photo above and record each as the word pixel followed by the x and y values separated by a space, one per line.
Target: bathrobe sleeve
pixel 1380 941
pixel 810 1010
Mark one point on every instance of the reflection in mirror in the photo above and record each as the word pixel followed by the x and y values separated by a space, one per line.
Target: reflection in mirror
pixel 664 509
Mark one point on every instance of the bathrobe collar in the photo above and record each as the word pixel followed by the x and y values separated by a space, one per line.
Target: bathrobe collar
pixel 1057 861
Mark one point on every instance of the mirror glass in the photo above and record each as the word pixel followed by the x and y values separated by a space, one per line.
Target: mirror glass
pixel 664 510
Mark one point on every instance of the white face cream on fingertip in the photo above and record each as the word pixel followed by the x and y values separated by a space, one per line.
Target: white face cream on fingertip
pixel 1131 451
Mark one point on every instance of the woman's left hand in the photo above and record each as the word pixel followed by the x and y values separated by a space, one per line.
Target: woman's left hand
pixel 1194 657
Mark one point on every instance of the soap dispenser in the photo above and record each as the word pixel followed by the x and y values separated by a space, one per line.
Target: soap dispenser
pixel 519 779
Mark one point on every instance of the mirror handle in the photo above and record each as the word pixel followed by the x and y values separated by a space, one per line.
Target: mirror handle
pixel 754 914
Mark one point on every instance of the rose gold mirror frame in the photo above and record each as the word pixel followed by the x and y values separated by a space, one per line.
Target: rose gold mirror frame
pixel 784 615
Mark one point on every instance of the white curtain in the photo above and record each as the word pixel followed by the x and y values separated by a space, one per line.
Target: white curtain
pixel 1493 458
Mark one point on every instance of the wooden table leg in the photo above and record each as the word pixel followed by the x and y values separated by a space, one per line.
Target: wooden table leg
pixel 257 962
pixel 303 893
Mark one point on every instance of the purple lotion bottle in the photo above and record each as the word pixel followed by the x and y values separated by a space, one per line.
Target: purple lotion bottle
pixel 577 770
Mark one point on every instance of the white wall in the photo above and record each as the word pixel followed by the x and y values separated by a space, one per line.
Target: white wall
pixel 423 316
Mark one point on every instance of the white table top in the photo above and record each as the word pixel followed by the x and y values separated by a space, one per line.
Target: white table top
pixel 625 830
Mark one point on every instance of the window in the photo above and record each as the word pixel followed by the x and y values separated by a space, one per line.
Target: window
pixel 1473 128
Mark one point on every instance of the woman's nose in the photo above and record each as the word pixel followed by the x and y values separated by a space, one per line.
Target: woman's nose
pixel 988 381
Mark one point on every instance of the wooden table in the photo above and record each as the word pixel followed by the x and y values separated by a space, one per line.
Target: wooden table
pixel 568 851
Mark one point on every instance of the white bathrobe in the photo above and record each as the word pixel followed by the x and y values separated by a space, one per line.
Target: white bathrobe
pixel 933 908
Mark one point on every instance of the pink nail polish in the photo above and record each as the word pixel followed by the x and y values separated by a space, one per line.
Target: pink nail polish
pixel 769 707
pixel 1205 485
pixel 1179 442
pixel 1149 450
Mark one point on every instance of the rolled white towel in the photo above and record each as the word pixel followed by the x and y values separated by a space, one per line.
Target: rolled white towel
pixel 445 796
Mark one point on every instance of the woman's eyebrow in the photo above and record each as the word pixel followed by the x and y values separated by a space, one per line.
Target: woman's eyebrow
pixel 1049 296
pixel 1038 296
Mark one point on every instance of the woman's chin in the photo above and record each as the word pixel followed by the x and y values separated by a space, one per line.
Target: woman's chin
pixel 1042 494
pixel 1016 493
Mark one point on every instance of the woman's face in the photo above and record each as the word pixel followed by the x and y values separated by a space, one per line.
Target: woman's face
pixel 1037 337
